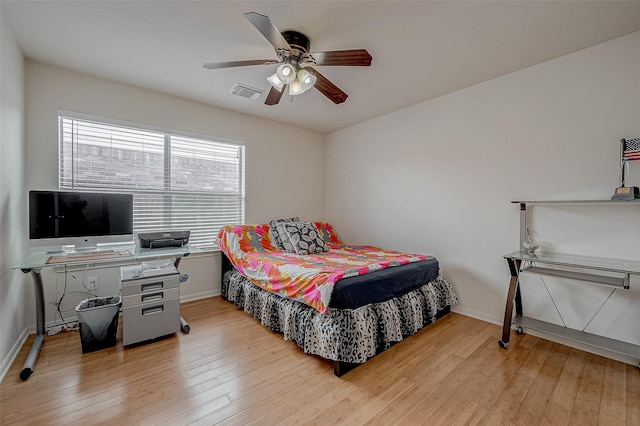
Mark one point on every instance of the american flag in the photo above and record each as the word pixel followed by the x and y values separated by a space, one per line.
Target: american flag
pixel 631 149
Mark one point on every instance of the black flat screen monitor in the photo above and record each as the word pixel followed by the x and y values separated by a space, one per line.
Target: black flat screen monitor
pixel 82 219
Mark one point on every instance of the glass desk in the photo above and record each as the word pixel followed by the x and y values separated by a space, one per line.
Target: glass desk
pixel 107 255
pixel 614 273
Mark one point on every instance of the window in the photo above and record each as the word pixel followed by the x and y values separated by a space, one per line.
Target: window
pixel 178 182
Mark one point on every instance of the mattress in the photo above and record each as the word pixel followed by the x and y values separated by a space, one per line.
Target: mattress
pixel 380 286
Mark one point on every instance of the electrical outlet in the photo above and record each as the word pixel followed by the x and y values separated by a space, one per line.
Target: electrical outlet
pixel 92 283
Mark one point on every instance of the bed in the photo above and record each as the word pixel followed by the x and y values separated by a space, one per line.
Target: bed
pixel 340 302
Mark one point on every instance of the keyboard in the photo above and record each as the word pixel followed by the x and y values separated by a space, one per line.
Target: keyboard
pixel 88 256
pixel 95 253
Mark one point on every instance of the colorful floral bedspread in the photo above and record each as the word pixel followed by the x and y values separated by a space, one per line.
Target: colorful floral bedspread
pixel 309 278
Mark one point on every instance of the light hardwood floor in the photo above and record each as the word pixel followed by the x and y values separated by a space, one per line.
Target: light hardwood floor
pixel 231 370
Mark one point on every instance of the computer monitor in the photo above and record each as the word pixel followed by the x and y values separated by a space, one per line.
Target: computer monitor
pixel 81 219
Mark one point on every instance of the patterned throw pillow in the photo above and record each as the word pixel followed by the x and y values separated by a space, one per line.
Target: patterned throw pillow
pixel 275 233
pixel 328 233
pixel 305 237
pixel 286 241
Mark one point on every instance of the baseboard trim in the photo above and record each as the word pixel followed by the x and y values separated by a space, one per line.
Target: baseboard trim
pixel 13 353
pixel 198 296
pixel 482 316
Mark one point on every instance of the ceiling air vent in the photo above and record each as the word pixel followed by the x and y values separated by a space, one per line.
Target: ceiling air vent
pixel 246 91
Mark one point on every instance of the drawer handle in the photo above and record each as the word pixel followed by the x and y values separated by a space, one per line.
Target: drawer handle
pixel 152 286
pixel 152 296
pixel 152 310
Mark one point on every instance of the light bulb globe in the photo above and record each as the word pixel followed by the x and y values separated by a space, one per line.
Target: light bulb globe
pixel 286 73
pixel 276 82
pixel 306 79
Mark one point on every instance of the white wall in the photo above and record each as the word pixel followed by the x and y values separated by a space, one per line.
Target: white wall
pixel 278 183
pixel 13 283
pixel 439 177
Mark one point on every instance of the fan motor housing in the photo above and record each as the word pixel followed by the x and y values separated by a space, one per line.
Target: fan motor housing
pixel 298 41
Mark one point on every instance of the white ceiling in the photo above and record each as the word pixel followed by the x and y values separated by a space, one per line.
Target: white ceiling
pixel 421 49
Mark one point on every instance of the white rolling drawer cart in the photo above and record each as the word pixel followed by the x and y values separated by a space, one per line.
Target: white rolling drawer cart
pixel 150 307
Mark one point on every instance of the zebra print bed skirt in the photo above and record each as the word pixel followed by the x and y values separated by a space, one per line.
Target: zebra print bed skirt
pixel 345 335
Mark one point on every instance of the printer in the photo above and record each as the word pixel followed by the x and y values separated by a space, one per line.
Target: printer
pixel 151 240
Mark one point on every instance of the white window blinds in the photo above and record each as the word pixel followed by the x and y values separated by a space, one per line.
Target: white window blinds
pixel 178 182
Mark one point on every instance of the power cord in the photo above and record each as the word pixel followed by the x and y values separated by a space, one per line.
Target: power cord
pixel 66 326
pixel 57 329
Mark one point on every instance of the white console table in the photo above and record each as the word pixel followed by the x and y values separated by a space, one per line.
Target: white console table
pixel 614 273
pixel 36 261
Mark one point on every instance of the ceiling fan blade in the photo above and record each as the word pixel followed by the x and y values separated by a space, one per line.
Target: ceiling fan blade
pixel 274 96
pixel 269 31
pixel 353 57
pixel 327 88
pixel 230 64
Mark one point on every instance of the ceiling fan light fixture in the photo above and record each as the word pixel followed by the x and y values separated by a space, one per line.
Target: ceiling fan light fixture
pixel 295 88
pixel 293 52
pixel 276 82
pixel 306 79
pixel 286 73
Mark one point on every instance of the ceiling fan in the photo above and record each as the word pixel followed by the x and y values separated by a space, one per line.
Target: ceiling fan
pixel 295 71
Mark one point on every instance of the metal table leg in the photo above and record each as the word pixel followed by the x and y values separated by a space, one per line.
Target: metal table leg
pixel 27 369
pixel 512 296
pixel 184 326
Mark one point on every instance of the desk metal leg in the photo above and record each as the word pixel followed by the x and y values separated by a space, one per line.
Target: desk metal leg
pixel 27 369
pixel 512 295
pixel 184 326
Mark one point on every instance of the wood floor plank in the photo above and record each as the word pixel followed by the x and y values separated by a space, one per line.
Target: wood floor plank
pixel 473 414
pixel 304 391
pixel 425 406
pixel 505 409
pixel 633 395
pixel 503 374
pixel 231 370
pixel 535 402
pixel 586 408
pixel 613 410
pixel 560 405
pixel 466 382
